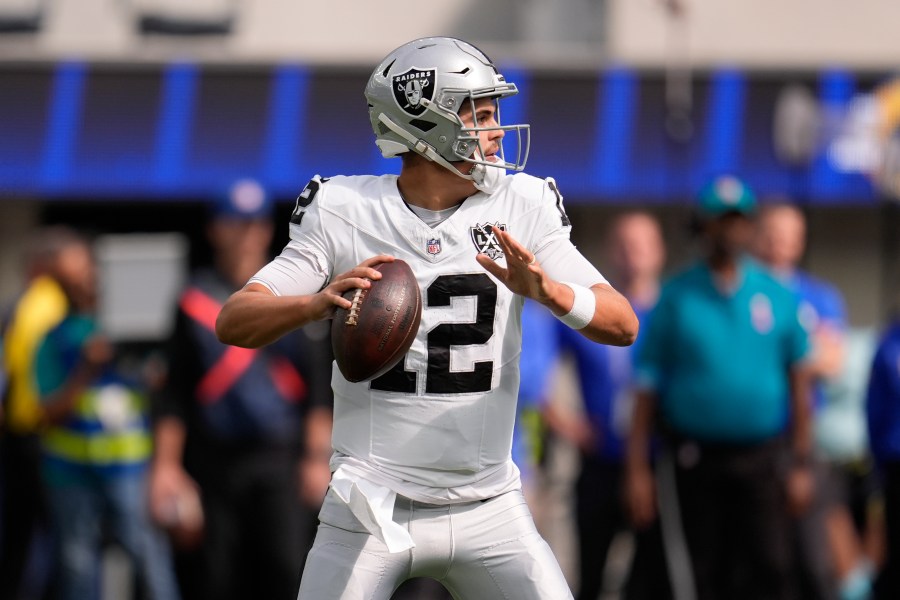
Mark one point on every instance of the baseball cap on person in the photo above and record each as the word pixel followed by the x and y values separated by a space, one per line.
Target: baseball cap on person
pixel 726 194
pixel 245 199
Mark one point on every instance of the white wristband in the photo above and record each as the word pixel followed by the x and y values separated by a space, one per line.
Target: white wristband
pixel 583 307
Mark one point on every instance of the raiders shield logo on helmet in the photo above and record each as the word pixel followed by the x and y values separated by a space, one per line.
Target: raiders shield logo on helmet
pixel 485 240
pixel 411 86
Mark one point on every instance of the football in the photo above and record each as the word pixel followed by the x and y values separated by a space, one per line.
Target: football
pixel 370 337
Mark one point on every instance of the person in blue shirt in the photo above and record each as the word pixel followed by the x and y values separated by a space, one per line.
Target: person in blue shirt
pixel 606 381
pixel 540 351
pixel 883 418
pixel 829 549
pixel 636 255
pixel 721 372
pixel 779 244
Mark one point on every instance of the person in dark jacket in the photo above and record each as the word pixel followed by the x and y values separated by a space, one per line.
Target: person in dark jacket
pixel 242 436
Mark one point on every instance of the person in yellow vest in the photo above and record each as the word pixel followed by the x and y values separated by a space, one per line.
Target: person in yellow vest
pixel 41 306
pixel 96 444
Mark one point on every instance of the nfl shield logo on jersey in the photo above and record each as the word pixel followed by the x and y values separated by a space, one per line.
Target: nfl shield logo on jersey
pixel 411 86
pixel 485 240
pixel 433 246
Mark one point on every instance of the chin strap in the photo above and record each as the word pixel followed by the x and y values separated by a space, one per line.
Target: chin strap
pixel 426 150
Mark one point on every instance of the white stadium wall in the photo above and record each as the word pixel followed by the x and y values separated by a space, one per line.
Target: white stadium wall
pixel 757 33
pixel 743 33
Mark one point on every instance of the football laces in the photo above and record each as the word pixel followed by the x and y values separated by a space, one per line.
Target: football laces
pixel 355 304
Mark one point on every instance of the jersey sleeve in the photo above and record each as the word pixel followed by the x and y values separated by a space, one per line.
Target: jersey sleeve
pixel 563 262
pixel 551 244
pixel 551 221
pixel 305 265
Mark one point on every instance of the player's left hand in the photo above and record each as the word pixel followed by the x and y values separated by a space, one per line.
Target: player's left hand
pixel 523 275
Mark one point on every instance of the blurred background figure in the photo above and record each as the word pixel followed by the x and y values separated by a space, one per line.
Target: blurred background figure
pixel 537 363
pixel 96 445
pixel 830 552
pixel 720 370
pixel 25 322
pixel 243 437
pixel 635 260
pixel 883 416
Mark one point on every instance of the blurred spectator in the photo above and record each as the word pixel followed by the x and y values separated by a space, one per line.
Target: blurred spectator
pixel 243 436
pixel 96 445
pixel 636 260
pixel 830 554
pixel 883 416
pixel 540 350
pixel 721 369
pixel 40 307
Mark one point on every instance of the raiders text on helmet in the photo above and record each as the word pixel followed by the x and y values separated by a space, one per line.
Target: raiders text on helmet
pixel 415 95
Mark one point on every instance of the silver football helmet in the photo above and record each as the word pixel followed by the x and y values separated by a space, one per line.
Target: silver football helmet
pixel 415 96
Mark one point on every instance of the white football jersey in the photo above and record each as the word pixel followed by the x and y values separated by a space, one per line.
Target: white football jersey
pixel 438 427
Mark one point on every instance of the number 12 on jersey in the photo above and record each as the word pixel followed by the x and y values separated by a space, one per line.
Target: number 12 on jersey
pixel 439 379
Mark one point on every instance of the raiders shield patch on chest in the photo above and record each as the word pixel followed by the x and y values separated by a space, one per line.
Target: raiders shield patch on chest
pixel 485 240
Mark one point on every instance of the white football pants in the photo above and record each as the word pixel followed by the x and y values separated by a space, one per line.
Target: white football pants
pixel 477 550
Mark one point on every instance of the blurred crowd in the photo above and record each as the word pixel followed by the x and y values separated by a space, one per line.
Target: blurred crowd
pixel 721 444
pixel 715 458
pixel 207 473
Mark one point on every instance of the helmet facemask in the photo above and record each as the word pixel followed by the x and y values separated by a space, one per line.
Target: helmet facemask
pixel 468 146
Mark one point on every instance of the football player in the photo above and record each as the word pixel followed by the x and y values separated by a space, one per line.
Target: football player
pixel 423 484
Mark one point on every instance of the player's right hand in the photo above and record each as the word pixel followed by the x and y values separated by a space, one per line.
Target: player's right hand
pixel 361 276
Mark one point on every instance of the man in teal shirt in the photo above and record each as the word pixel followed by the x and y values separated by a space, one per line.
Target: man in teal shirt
pixel 721 371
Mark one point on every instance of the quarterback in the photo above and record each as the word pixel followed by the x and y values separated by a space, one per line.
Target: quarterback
pixel 423 484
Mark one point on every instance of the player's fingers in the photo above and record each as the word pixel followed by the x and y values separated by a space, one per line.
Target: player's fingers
pixel 367 267
pixel 336 301
pixel 364 273
pixel 490 266
pixel 334 292
pixel 339 286
pixel 512 248
pixel 376 260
